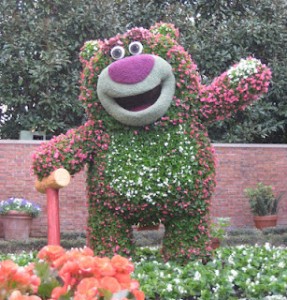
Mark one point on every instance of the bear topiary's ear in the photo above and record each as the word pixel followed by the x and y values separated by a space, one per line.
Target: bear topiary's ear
pixel 89 49
pixel 165 29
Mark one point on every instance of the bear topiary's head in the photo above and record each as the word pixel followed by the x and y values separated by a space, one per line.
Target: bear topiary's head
pixel 133 77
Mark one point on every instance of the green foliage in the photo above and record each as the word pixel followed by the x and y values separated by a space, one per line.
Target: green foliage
pixel 225 31
pixel 22 258
pixel 158 176
pixel 40 42
pixel 49 279
pixel 218 227
pixel 39 65
pixel 262 200
pixel 68 241
pixel 242 272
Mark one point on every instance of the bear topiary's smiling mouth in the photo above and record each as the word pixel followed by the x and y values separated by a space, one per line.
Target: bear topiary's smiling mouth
pixel 141 101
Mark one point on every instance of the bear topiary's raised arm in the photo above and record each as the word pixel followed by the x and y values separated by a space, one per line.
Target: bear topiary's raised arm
pixel 242 84
pixel 70 151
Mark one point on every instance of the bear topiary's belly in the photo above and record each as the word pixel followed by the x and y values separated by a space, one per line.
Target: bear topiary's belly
pixel 155 170
pixel 150 167
pixel 153 174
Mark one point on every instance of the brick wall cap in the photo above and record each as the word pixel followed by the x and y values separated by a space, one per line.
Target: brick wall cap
pixel 217 145
pixel 223 145
pixel 21 142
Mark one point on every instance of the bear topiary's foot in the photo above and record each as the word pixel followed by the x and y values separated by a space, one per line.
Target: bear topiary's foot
pixel 185 239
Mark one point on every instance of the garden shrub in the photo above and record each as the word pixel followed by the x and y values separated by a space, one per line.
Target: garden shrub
pixel 243 231
pixel 148 153
pixel 73 235
pixel 15 246
pixel 275 230
pixel 243 240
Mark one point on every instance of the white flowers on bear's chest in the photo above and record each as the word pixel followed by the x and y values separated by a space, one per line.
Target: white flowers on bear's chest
pixel 150 167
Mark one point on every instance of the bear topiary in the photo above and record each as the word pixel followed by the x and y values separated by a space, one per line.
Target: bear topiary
pixel 147 152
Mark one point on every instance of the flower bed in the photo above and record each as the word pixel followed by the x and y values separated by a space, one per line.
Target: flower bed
pixel 242 272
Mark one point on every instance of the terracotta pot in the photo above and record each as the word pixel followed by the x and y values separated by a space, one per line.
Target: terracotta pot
pixel 262 222
pixel 16 225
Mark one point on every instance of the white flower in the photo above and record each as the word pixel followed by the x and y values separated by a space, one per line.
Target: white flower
pixel 243 69
pixel 230 260
pixel 267 246
pixel 197 276
pixel 234 273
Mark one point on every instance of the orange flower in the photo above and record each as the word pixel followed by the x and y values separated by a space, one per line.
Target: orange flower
pixel 124 280
pixel 59 262
pixel 51 253
pixel 69 273
pixel 16 295
pixel 86 264
pixel 138 294
pixel 74 270
pixel 72 255
pixel 83 274
pixel 134 284
pixel 7 267
pixel 58 292
pixel 12 276
pixel 122 264
pixel 103 267
pixel 87 289
pixel 110 283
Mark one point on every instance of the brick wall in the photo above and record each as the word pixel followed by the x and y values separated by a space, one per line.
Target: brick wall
pixel 238 167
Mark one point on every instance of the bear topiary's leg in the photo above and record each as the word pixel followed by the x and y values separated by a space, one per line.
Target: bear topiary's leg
pixel 185 239
pixel 108 234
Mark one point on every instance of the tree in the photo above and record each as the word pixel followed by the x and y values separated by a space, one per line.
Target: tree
pixel 225 32
pixel 40 42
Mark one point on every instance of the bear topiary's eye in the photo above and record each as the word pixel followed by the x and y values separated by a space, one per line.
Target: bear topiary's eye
pixel 135 48
pixel 117 52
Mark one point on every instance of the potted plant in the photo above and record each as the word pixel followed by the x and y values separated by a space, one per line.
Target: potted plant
pixel 263 204
pixel 16 216
pixel 218 231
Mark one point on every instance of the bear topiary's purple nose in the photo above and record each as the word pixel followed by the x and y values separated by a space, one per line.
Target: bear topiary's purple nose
pixel 132 69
